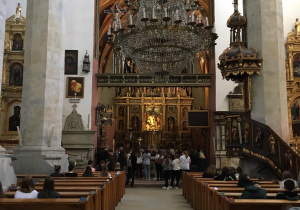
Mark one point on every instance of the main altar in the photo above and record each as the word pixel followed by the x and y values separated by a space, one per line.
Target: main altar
pixel 153 117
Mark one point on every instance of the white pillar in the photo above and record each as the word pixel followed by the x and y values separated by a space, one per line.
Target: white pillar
pixel 43 85
pixel 265 32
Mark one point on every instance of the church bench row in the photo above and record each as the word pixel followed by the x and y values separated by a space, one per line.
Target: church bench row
pixel 106 198
pixel 47 204
pixel 199 192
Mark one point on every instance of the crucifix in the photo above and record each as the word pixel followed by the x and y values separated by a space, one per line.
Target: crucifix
pixel 115 11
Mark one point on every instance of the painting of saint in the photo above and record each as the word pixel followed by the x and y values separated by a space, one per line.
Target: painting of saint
pixel 17 42
pixel 171 124
pixel 14 120
pixel 16 75
pixel 75 87
pixel 71 61
pixel 295 109
pixel 296 65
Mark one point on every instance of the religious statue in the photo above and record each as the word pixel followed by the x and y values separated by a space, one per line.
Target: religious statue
pixel 185 127
pixel 272 144
pixel 258 135
pixel 234 131
pixel 171 124
pixel 135 123
pixel 16 75
pixel 129 66
pixel 17 42
pixel 297 26
pixel 14 120
pixel 289 160
pixel 246 133
pixel 18 13
pixel 185 111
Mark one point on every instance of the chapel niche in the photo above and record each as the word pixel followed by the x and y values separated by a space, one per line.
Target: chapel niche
pixel 12 81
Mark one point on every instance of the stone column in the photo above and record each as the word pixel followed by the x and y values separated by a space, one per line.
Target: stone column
pixel 43 90
pixel 265 32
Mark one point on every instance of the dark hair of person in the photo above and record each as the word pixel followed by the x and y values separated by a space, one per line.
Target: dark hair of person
pixel 287 175
pixel 88 171
pixel 211 170
pixel 90 162
pixel 71 167
pixel 104 172
pixel 239 170
pixel 27 185
pixel 232 170
pixel 1 191
pixel 48 186
pixel 167 159
pixel 176 156
pixel 289 184
pixel 186 154
pixel 57 168
pixel 225 170
pixel 244 181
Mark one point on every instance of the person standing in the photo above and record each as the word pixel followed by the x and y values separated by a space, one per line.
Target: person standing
pixel 185 162
pixel 146 163
pixel 139 166
pixel 167 168
pixel 131 169
pixel 175 171
pixel 158 165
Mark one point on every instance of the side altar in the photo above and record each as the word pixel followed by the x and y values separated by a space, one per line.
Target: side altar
pixel 153 118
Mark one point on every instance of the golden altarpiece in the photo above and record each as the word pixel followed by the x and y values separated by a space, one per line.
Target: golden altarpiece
pixel 12 80
pixel 154 117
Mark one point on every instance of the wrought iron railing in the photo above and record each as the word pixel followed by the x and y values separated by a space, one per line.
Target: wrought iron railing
pixel 247 137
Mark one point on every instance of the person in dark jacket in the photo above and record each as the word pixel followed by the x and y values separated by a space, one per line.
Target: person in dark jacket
pixel 254 192
pixel 122 159
pixel 131 163
pixel 88 172
pixel 225 175
pixel 289 194
pixel 48 189
pixel 211 172
pixel 71 171
pixel 244 181
pixel 57 171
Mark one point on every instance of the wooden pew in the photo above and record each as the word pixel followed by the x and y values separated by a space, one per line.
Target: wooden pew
pixel 46 204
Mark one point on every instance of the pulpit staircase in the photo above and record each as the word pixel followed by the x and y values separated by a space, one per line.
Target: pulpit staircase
pixel 248 138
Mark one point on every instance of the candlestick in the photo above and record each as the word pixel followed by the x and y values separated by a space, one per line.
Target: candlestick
pixel 19 134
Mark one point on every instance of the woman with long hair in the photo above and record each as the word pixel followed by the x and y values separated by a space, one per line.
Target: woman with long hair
pixel 88 172
pixel 210 172
pixel 27 189
pixel 185 161
pixel 167 168
pixel 175 171
pixel 48 189
pixel 71 171
pixel 104 172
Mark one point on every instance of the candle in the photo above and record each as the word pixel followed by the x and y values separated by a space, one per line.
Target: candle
pixel 144 13
pixel 153 13
pixel 199 18
pixel 166 12
pixel 206 21
pixel 120 24
pixel 131 20
pixel 115 27
pixel 109 30
pixel 20 139
pixel 177 14
pixel 193 17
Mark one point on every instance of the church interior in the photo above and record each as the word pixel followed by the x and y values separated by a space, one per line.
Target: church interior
pixel 220 77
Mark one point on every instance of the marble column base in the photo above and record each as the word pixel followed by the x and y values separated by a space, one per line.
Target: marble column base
pixel 38 159
pixel 7 174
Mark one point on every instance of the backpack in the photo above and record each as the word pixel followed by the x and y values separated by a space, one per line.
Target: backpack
pixel 159 160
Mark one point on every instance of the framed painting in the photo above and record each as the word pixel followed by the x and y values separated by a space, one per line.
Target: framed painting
pixel 71 62
pixel 75 87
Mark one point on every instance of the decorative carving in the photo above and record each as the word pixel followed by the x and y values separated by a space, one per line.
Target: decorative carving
pixel 74 121
pixel 288 159
pixel 272 144
pixel 135 123
pixel 258 135
pixel 246 133
pixel 234 130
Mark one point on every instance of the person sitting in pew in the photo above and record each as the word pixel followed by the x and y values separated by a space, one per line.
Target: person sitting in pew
pixel 27 189
pixel 117 166
pixel 104 172
pixel 71 171
pixel 88 172
pixel 289 194
pixel 244 180
pixel 48 189
pixel 56 172
pixel 90 163
pixel 1 191
pixel 287 175
pixel 254 192
pixel 211 172
pixel 225 175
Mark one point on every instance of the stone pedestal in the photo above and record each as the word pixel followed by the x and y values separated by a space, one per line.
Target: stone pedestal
pixel 80 146
pixel 42 97
pixel 265 33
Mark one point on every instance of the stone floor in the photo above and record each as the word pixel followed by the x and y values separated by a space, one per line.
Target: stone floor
pixel 146 198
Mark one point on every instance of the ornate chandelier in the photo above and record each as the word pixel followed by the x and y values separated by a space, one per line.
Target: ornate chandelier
pixel 162 36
